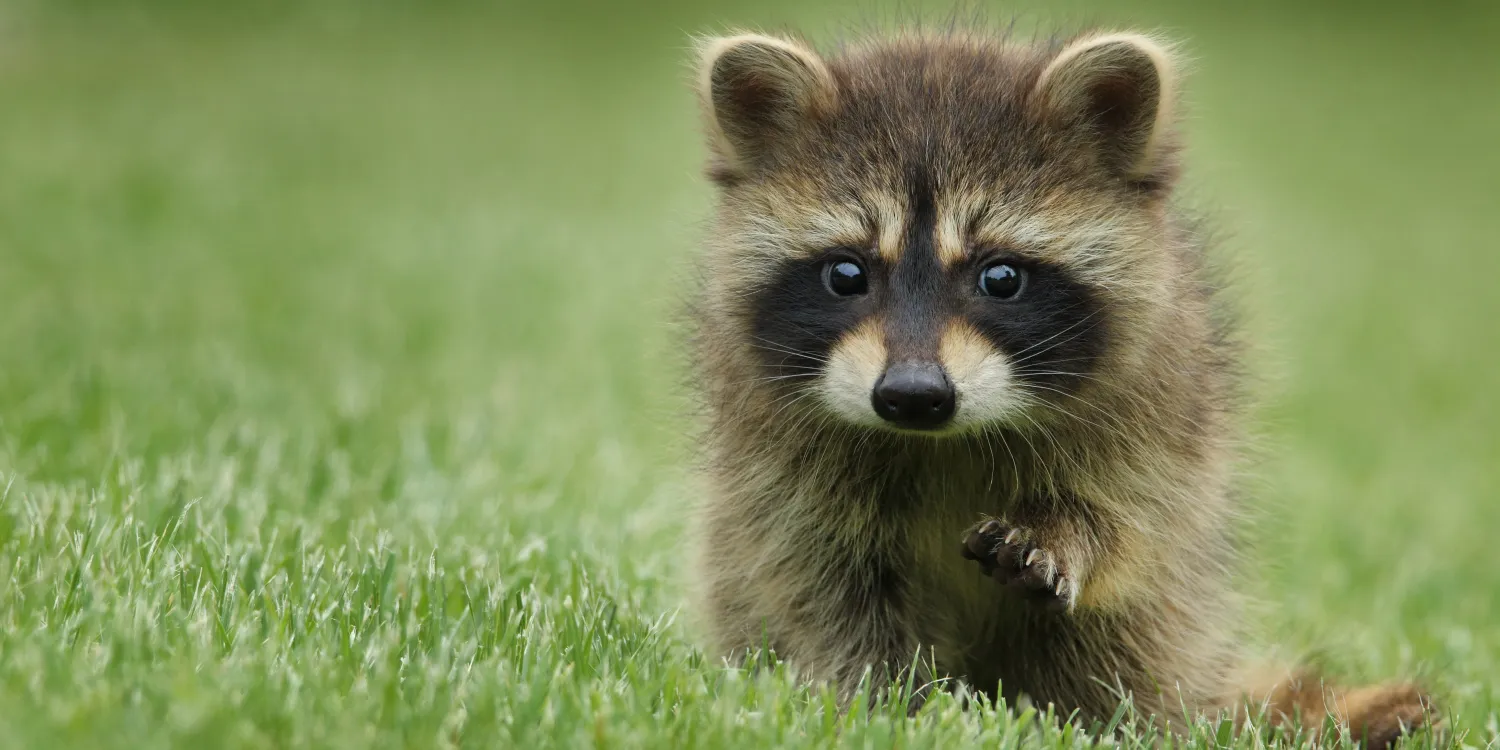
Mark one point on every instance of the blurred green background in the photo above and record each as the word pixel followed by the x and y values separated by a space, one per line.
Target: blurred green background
pixel 341 401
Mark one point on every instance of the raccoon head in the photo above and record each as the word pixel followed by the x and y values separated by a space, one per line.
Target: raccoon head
pixel 939 233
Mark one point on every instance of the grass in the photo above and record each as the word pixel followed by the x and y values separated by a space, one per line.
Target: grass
pixel 339 396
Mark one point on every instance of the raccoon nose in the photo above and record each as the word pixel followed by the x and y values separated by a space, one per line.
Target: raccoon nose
pixel 915 395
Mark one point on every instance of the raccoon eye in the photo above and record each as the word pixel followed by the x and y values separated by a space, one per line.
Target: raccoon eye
pixel 1001 280
pixel 845 278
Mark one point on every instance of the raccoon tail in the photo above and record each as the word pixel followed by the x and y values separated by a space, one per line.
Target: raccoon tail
pixel 1376 715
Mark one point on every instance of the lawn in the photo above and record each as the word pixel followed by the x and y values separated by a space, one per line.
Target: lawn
pixel 341 400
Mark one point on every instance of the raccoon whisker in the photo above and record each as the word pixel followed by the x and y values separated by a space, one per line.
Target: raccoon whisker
pixel 795 365
pixel 1124 431
pixel 796 396
pixel 1113 387
pixel 862 439
pixel 785 396
pixel 1045 480
pixel 989 445
pixel 802 328
pixel 1072 333
pixel 788 371
pixel 775 378
pixel 1060 450
pixel 765 340
pixel 1059 373
pixel 1026 372
pixel 1066 361
pixel 1063 332
pixel 1015 469
pixel 1030 445
pixel 783 349
pixel 1015 477
pixel 794 355
pixel 978 453
pixel 794 426
pixel 808 370
pixel 985 450
pixel 813 420
pixel 1056 346
pixel 1118 430
pixel 1039 387
pixel 818 336
pixel 789 363
pixel 1031 352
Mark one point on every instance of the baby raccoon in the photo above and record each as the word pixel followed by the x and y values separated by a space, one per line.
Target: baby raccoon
pixel 971 406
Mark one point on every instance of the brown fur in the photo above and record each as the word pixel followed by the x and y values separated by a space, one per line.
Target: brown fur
pixel 839 541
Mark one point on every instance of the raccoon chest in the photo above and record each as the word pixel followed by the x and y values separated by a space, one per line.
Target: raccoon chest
pixel 949 593
pixel 903 579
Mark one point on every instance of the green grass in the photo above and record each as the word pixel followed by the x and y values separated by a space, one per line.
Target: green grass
pixel 340 399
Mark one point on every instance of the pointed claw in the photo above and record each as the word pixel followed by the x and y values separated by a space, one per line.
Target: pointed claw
pixel 1067 591
pixel 1007 554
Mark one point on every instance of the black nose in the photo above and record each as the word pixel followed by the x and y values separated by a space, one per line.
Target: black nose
pixel 915 395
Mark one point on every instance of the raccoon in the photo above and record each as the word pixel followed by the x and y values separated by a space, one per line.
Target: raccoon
pixel 970 399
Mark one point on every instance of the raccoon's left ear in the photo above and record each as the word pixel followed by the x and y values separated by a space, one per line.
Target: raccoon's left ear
pixel 1121 89
pixel 755 90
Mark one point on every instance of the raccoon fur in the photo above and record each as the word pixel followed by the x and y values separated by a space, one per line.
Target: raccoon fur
pixel 971 406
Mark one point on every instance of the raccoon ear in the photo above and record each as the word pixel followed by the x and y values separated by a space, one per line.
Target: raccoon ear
pixel 755 89
pixel 1119 87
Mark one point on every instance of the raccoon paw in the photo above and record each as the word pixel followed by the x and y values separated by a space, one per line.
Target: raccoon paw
pixel 1011 555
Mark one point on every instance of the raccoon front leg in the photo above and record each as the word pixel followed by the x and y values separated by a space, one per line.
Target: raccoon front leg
pixel 887 674
pixel 1048 550
pixel 1046 567
pixel 847 635
pixel 865 632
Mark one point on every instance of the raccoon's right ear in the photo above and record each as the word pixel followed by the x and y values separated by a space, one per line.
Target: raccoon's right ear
pixel 1121 89
pixel 755 90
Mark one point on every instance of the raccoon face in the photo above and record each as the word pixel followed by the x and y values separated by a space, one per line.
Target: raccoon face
pixel 938 235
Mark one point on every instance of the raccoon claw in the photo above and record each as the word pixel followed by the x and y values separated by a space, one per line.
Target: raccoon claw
pixel 1010 556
